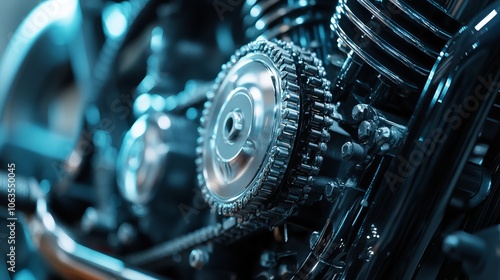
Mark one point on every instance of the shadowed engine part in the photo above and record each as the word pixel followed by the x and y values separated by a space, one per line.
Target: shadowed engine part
pixel 155 152
pixel 305 23
pixel 463 65
pixel 392 46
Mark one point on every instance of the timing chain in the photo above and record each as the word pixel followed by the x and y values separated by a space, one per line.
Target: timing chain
pixel 312 136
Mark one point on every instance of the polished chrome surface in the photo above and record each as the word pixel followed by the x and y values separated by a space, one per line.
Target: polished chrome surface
pixel 414 195
pixel 460 9
pixel 389 17
pixel 303 22
pixel 71 259
pixel 142 157
pixel 416 12
pixel 391 38
pixel 242 125
pixel 373 33
pixel 157 150
pixel 276 19
pixel 291 181
pixel 250 128
pixel 325 261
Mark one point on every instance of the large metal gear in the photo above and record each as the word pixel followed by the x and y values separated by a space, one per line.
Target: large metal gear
pixel 263 130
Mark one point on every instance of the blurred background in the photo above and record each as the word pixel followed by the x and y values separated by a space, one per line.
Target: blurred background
pixel 11 15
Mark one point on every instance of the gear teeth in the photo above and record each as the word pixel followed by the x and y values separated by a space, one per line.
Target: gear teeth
pixel 301 139
pixel 310 70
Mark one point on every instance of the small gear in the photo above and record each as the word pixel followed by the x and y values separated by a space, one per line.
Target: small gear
pixel 263 131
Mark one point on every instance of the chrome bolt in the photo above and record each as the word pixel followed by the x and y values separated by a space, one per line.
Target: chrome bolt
pixel 365 130
pixel 198 258
pixel 353 151
pixel 313 239
pixel 383 135
pixel 331 190
pixel 233 124
pixel 268 259
pixel 360 112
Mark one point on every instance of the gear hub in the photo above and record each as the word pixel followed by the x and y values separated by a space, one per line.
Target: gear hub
pixel 263 130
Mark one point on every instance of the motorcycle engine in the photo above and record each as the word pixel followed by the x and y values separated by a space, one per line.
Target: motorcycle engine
pixel 243 139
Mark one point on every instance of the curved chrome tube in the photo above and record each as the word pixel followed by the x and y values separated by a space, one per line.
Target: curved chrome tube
pixel 73 260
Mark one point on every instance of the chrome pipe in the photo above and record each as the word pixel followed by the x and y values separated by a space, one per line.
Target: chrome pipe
pixel 71 259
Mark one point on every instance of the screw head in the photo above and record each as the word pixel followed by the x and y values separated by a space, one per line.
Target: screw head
pixel 365 130
pixel 353 151
pixel 359 112
pixel 383 135
pixel 233 125
pixel 313 239
pixel 347 150
pixel 198 258
pixel 331 190
pixel 268 259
